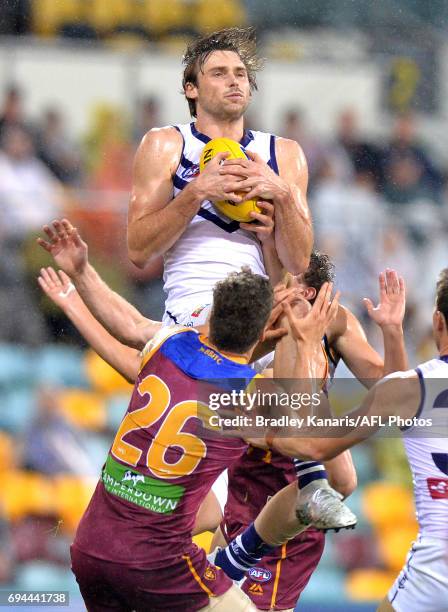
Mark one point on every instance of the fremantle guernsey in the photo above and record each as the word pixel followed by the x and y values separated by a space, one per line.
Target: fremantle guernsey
pixel 212 245
pixel 163 461
pixel 428 456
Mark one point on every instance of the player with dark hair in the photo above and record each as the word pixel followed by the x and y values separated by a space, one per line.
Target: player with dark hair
pixel 133 548
pixel 171 210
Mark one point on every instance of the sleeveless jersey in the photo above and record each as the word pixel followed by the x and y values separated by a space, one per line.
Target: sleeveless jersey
pixel 428 456
pixel 212 245
pixel 164 458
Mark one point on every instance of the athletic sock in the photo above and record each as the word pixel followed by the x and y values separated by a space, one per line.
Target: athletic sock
pixel 309 471
pixel 244 552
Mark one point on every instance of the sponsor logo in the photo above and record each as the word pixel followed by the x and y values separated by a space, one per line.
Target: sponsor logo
pixel 259 574
pixel 190 172
pixel 198 311
pixel 209 573
pixel 438 488
pixel 149 493
pixel 134 477
pixel 256 589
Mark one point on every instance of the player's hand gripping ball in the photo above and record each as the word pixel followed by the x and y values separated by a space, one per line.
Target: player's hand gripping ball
pixel 236 211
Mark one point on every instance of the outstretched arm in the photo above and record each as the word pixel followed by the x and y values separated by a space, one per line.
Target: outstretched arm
pixel 59 288
pixel 119 317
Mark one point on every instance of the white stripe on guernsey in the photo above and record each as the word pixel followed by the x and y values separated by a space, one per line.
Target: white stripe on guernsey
pixel 234 562
pixel 317 468
pixel 304 464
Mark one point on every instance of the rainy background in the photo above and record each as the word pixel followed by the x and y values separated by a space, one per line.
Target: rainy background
pixel 361 85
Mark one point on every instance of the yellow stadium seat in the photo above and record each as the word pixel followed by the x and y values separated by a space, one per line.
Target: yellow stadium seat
pixel 386 503
pixel 26 493
pixel 106 15
pixel 49 15
pixel 7 452
pixel 394 543
pixel 203 540
pixel 207 17
pixel 72 496
pixel 368 584
pixel 102 377
pixel 83 409
pixel 162 16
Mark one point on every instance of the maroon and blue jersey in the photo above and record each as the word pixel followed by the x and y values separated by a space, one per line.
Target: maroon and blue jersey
pixel 164 458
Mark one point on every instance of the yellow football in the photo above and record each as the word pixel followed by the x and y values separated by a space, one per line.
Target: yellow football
pixel 236 211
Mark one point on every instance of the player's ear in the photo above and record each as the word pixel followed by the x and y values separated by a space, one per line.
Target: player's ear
pixel 439 321
pixel 309 293
pixel 191 91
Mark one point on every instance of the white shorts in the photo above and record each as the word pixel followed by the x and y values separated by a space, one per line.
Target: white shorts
pixel 422 585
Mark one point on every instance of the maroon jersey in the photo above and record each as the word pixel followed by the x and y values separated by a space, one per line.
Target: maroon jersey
pixel 162 464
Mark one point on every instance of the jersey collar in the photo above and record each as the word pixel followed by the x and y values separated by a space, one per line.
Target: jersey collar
pixel 234 358
pixel 245 140
pixel 444 358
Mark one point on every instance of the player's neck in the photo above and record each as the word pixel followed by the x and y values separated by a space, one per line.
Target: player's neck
pixel 214 128
pixel 443 350
pixel 233 356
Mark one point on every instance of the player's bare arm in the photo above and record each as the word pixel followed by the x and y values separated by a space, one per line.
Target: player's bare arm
pixel 120 318
pixel 155 218
pixel 293 226
pixel 397 395
pixel 59 288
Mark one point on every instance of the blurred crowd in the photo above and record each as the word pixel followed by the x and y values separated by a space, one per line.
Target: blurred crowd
pixel 375 204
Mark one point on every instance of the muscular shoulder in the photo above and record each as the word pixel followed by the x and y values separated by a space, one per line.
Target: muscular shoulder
pixel 162 143
pixel 285 147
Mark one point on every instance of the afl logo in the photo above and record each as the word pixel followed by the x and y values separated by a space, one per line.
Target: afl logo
pixel 258 574
pixel 191 172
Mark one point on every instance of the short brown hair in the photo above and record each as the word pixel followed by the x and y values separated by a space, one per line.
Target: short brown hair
pixel 442 293
pixel 320 270
pixel 240 40
pixel 242 303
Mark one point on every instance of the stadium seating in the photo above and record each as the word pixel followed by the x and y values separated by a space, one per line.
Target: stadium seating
pixel 84 409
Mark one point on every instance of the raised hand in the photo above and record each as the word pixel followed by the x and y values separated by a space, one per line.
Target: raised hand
pixel 212 185
pixel 392 300
pixel 66 247
pixel 312 326
pixel 272 332
pixel 57 286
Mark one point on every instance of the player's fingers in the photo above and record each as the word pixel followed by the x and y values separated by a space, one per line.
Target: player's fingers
pixel 402 285
pixel 333 307
pixel 50 232
pixel 78 241
pixel 392 281
pixel 219 158
pixel 67 225
pixel 45 245
pixel 275 334
pixel 382 283
pixel 264 219
pixel 320 299
pixel 267 207
pixel 233 197
pixel 54 277
pixel 46 277
pixel 43 285
pixel 368 304
pixel 253 156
